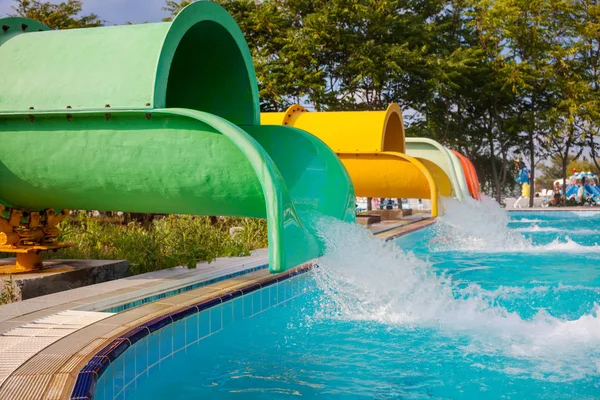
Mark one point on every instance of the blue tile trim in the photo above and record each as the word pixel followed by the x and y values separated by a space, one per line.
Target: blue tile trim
pixel 203 305
pixel 158 323
pixel 136 334
pixel 97 365
pixel 231 296
pixel 85 385
pixel 115 349
pixel 177 315
pixel 252 288
pixel 89 375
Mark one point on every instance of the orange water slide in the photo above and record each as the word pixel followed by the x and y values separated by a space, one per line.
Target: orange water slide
pixel 471 175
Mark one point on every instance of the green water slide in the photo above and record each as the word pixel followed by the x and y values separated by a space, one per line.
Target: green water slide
pixel 158 118
pixel 442 161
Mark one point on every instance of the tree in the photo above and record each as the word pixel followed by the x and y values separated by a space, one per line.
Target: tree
pixel 561 142
pixel 584 164
pixel 490 78
pixel 370 53
pixel 532 31
pixel 588 57
pixel 283 76
pixel 65 15
pixel 174 7
pixel 470 107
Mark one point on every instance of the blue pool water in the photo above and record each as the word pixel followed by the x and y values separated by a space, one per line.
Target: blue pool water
pixel 477 306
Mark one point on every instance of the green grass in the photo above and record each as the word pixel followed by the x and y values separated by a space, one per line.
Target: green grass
pixel 164 243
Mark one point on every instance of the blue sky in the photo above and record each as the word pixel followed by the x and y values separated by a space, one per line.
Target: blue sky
pixel 114 12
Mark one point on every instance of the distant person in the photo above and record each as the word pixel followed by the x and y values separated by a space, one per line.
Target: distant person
pixel 389 205
pixel 556 188
pixel 523 178
pixel 581 194
pixel 594 188
pixel 556 195
pixel 573 190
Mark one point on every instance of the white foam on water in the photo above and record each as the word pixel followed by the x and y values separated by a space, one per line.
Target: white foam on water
pixel 365 279
pixel 536 229
pixel 527 220
pixel 482 226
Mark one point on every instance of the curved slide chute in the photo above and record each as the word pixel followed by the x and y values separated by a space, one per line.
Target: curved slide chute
pixel 470 175
pixel 158 118
pixel 430 151
pixel 371 145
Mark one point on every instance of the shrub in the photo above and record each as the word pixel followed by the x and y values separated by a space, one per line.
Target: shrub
pixel 7 291
pixel 165 243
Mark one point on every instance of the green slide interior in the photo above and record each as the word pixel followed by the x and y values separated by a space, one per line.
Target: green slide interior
pixel 224 89
pixel 159 118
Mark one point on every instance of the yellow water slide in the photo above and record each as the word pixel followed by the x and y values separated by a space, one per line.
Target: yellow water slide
pixel 371 145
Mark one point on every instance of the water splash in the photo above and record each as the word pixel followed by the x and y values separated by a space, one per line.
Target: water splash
pixel 483 226
pixel 528 220
pixel 534 228
pixel 365 279
pixel 476 225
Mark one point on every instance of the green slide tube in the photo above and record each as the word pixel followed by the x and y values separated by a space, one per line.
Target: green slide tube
pixel 160 118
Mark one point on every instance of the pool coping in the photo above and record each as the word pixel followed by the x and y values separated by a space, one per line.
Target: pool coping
pixel 54 372
pixel 89 375
pixel 395 233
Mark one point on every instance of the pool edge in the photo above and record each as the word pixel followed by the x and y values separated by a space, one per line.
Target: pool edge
pixel 395 233
pixel 85 383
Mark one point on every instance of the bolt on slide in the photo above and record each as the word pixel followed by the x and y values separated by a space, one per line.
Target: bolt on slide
pixel 157 118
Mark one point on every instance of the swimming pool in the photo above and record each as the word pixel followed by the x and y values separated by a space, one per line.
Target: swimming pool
pixel 478 306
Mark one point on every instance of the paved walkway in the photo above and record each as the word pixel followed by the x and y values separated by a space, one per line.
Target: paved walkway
pixel 388 225
pixel 20 344
pixel 105 295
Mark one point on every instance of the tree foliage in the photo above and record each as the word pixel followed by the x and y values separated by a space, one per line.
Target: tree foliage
pixel 494 79
pixel 64 15
pixel 174 7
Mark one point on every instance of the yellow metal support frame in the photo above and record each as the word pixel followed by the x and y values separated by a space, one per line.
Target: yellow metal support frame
pixel 28 235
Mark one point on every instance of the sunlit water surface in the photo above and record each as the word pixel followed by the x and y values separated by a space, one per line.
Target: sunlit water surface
pixel 482 305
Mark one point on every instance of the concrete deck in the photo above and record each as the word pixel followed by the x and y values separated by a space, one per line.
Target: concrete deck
pixel 60 275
